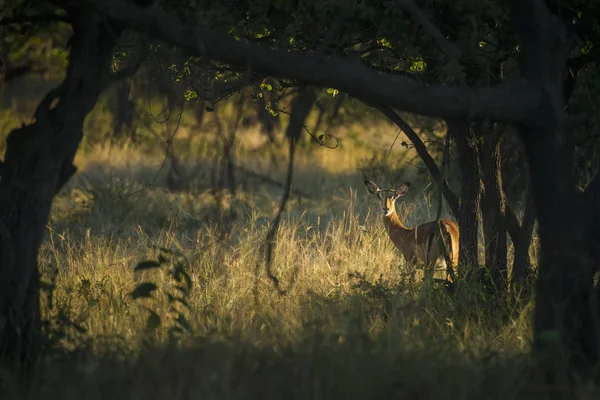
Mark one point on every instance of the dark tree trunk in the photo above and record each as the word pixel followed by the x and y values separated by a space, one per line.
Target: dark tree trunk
pixel 493 210
pixel 124 110
pixel 470 190
pixel 564 285
pixel 521 271
pixel 592 214
pixel 591 200
pixel 38 162
pixel 565 313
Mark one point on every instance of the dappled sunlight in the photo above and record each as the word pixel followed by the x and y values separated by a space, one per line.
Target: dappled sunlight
pixel 343 277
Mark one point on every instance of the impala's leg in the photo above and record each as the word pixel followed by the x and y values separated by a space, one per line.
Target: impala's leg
pixel 429 271
pixel 449 269
pixel 447 255
pixel 430 266
pixel 431 256
pixel 410 268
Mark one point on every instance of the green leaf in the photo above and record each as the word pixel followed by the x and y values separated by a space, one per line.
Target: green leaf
pixel 190 94
pixel 587 47
pixel 183 322
pixel 384 43
pixel 181 300
pixel 149 264
pixel 183 290
pixel 152 322
pixel 174 331
pixel 143 290
pixel 182 274
pixel 418 65
pixel 79 328
pixel 266 86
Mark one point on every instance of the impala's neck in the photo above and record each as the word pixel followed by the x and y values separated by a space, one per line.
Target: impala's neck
pixel 392 222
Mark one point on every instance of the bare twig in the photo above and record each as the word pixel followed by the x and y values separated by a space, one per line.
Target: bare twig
pixel 319 139
pixel 301 107
pixel 164 162
pixel 28 19
pixel 388 155
pixel 270 181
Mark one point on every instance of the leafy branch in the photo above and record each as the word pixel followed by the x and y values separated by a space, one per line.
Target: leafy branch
pixel 174 266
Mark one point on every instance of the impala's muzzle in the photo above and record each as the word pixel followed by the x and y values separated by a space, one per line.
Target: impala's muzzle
pixel 383 197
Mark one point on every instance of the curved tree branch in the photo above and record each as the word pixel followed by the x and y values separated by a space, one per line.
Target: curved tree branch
pixel 511 102
pixel 421 149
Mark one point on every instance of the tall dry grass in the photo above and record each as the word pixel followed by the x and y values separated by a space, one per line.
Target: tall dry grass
pixel 350 324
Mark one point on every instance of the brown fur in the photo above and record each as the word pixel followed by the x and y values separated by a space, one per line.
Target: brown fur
pixel 423 245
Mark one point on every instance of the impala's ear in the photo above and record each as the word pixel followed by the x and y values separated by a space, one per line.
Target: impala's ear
pixel 402 189
pixel 373 189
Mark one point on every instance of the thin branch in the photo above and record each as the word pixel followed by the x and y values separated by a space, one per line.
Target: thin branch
pixel 421 149
pixel 301 107
pixel 270 181
pixel 511 101
pixel 388 156
pixel 27 19
pixel 319 139
pixel 164 162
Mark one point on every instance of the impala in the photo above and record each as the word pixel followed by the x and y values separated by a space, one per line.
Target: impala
pixel 423 245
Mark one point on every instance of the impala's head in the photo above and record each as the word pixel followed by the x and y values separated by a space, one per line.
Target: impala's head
pixel 387 196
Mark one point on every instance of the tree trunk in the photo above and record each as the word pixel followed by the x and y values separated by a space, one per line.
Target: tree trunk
pixel 493 210
pixel 592 213
pixel 124 110
pixel 521 270
pixel 564 285
pixel 38 162
pixel 470 186
pixel 565 342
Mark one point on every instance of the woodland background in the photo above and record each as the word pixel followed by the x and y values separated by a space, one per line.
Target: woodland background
pixel 182 208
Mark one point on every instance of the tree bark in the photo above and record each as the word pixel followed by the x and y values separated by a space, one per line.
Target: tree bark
pixel 565 342
pixel 38 162
pixel 564 285
pixel 521 270
pixel 124 110
pixel 470 190
pixel 592 213
pixel 493 211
